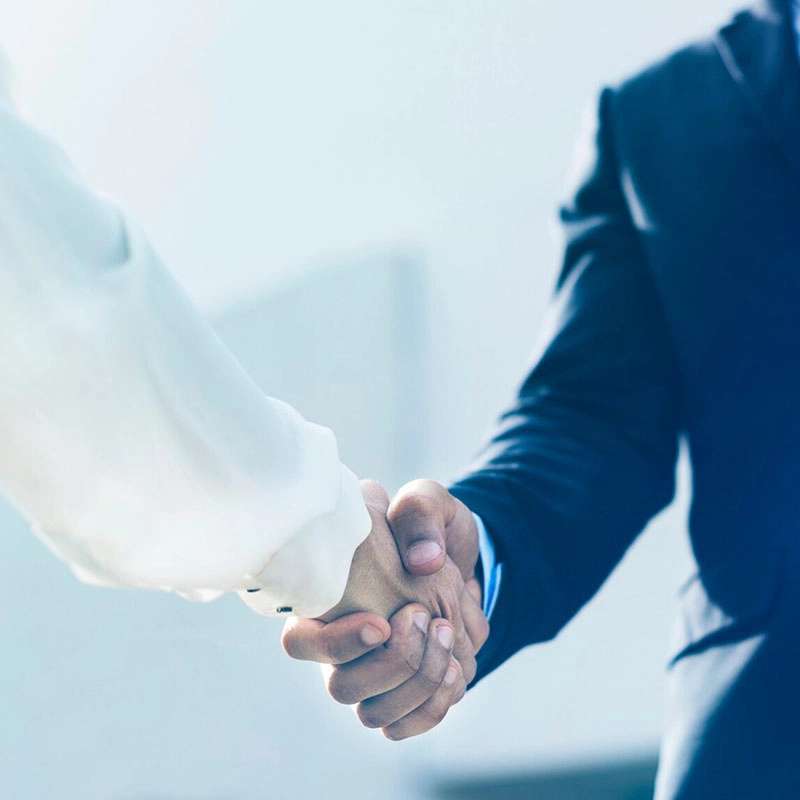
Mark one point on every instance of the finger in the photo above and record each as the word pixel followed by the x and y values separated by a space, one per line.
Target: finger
pixel 386 667
pixel 475 622
pixel 337 642
pixel 434 710
pixel 383 710
pixel 375 496
pixel 474 588
pixel 418 516
pixel 464 650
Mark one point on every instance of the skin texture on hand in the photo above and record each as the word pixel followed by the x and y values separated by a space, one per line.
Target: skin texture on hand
pixel 430 525
pixel 378 583
pixel 403 670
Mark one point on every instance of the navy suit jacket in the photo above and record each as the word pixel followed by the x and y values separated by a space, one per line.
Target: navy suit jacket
pixel 677 313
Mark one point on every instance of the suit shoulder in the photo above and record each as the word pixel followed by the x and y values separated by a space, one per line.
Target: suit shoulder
pixel 689 74
pixel 674 103
pixel 682 75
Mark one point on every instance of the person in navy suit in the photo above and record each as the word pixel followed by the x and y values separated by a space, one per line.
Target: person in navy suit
pixel 676 316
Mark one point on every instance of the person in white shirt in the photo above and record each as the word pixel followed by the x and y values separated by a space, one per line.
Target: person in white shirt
pixel 132 439
pixel 141 451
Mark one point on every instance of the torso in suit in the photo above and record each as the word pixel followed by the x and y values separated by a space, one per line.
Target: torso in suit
pixel 677 314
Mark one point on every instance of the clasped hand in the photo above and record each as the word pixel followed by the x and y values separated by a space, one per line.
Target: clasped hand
pixel 400 646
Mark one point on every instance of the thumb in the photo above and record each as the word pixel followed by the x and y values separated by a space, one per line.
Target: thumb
pixel 418 517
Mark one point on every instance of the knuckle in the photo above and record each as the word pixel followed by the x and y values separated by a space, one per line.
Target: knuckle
pixel 394 735
pixel 340 690
pixel 459 687
pixel 335 649
pixel 432 714
pixel 423 486
pixel 331 649
pixel 370 716
pixel 412 508
pixel 469 670
pixel 374 493
pixel 455 584
pixel 430 679
pixel 290 644
pixel 483 632
pixel 411 660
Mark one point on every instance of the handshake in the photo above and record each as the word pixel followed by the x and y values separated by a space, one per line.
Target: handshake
pixel 401 643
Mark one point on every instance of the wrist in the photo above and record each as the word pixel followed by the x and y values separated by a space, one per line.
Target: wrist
pixel 309 574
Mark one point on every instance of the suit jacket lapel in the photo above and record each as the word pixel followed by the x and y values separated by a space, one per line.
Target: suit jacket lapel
pixel 759 50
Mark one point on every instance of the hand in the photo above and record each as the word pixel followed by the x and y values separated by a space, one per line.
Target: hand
pixel 429 526
pixel 407 686
pixel 378 583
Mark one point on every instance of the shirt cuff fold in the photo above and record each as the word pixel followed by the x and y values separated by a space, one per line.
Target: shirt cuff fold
pixel 308 575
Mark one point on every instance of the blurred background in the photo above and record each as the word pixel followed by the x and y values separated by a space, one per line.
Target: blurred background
pixel 361 196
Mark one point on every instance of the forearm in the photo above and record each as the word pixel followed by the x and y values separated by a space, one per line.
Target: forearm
pixel 561 509
pixel 133 440
pixel 585 455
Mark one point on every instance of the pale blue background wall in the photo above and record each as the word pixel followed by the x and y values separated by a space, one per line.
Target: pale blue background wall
pixel 256 141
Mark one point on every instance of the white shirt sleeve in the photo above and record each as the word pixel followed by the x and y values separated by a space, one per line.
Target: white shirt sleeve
pixel 130 437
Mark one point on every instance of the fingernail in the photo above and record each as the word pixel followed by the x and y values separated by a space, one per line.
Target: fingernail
pixel 445 636
pixel 450 676
pixel 421 621
pixel 371 636
pixel 423 552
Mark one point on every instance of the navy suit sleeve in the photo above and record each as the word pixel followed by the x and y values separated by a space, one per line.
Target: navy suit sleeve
pixel 585 455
